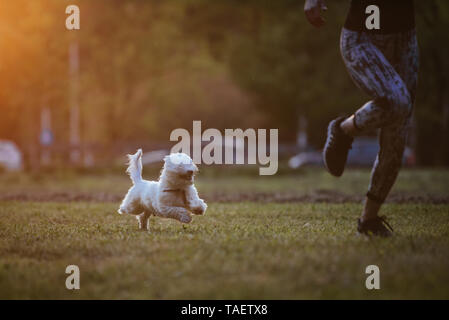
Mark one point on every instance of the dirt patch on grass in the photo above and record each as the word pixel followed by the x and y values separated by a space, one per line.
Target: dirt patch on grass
pixel 318 196
pixel 61 197
pixel 323 196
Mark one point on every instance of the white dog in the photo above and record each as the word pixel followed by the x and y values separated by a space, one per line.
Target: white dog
pixel 173 196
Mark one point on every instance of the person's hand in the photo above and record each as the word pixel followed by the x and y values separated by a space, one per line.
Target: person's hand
pixel 313 9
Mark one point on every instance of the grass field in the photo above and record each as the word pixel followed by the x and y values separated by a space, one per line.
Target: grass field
pixel 239 249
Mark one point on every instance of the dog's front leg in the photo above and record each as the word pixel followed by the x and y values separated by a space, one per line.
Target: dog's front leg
pixel 177 213
pixel 195 204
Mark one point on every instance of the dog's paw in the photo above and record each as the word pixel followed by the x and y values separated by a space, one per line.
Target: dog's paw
pixel 199 208
pixel 198 211
pixel 185 218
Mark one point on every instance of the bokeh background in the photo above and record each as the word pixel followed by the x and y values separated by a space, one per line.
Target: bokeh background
pixel 73 103
pixel 136 70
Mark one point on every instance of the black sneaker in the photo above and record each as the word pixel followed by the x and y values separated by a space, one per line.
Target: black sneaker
pixel 377 227
pixel 338 144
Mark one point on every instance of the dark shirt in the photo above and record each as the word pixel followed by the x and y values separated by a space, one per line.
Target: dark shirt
pixel 395 16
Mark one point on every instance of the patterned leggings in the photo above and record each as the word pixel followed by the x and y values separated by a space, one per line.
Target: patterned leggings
pixel 385 66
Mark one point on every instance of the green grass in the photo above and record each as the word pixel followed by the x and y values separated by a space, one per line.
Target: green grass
pixel 241 250
pixel 229 180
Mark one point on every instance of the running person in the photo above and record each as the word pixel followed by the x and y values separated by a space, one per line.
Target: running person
pixel 384 64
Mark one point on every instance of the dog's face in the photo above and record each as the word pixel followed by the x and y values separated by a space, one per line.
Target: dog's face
pixel 181 165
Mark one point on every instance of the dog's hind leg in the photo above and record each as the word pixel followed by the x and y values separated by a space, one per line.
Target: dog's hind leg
pixel 131 204
pixel 143 220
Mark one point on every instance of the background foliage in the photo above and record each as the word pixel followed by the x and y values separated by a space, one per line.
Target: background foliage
pixel 148 67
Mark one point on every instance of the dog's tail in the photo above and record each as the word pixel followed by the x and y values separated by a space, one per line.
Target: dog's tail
pixel 135 166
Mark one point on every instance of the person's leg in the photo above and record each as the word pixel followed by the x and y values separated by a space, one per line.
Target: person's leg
pixel 374 74
pixel 390 110
pixel 393 138
pixel 392 142
pixel 348 126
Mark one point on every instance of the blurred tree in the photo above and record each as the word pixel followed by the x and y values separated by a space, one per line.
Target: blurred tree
pixel 432 109
pixel 292 69
pixel 148 67
pixel 32 68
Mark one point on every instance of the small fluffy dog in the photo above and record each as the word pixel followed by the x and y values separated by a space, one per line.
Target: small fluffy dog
pixel 173 196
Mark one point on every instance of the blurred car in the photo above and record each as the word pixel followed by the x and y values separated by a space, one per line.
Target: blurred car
pixel 362 154
pixel 10 156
